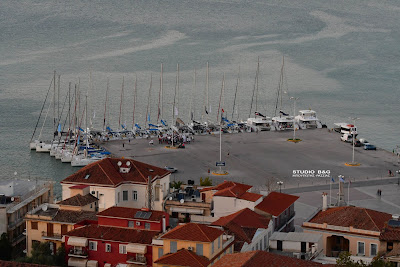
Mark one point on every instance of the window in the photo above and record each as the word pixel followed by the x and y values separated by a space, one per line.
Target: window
pixel 147 226
pixel 374 249
pixel 134 195
pixel 108 247
pixel 257 246
pixel 34 225
pixel 92 245
pixel 199 249
pixel 219 241
pixel 124 195
pixel 131 224
pixel 160 252
pixel 212 247
pixel 360 248
pixel 122 249
pixel 64 229
pixel 173 246
pixel 119 197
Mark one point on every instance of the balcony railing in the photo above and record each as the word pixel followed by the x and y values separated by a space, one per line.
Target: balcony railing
pixel 14 224
pixel 18 239
pixel 141 260
pixel 78 252
pixel 51 236
pixel 285 220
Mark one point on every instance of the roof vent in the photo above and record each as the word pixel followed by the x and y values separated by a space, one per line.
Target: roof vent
pixel 151 170
pixel 126 168
pixel 128 163
pixel 119 163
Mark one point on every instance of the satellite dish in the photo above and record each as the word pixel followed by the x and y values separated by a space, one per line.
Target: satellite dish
pixel 170 198
pixel 119 163
pixel 182 201
pixel 12 199
pixel 44 208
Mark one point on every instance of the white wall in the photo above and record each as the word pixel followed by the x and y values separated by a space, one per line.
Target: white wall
pixel 261 238
pixel 224 206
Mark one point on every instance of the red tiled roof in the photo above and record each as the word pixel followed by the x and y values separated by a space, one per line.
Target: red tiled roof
pixel 233 189
pixel 183 257
pixel 106 172
pixel 390 233
pixel 244 218
pixel 125 235
pixel 78 200
pixel 261 258
pixel 193 232
pixel 129 213
pixel 359 218
pixel 72 216
pixel 243 224
pixel 276 203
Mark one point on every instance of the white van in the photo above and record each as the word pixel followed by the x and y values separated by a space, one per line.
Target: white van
pixel 347 138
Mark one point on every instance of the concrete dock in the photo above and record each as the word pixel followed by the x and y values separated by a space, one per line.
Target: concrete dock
pixel 264 157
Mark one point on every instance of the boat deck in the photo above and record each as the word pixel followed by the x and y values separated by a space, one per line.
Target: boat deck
pixel 255 158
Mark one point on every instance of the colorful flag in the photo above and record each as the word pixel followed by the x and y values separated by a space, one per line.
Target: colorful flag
pixel 222 110
pixel 341 179
pixel 332 180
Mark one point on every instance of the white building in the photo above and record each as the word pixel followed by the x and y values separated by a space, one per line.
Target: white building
pixel 120 182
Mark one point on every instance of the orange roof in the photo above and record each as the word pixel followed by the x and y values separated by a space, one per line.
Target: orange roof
pixel 129 213
pixel 183 257
pixel 261 258
pixel 359 218
pixel 106 172
pixel 193 232
pixel 276 203
pixel 233 189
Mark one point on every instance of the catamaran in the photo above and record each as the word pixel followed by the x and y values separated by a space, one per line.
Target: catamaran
pixel 307 119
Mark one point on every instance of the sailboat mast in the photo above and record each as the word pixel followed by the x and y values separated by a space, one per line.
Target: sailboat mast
pixel 105 105
pixel 234 99
pixel 207 87
pixel 120 104
pixel 161 112
pixel 252 96
pixel 281 81
pixel 258 70
pixel 191 99
pixel 134 103
pixel 173 106
pixel 148 100
pixel 54 105
pixel 58 101
pixel 220 97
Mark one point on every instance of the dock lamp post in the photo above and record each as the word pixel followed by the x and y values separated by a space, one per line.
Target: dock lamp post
pixel 398 177
pixel 280 183
pixel 294 114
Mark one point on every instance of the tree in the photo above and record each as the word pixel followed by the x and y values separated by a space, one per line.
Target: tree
pixel 270 183
pixel 5 247
pixel 41 254
pixel 345 260
pixel 176 185
pixel 206 182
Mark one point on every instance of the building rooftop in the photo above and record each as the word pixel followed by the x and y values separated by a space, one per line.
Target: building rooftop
pixel 391 231
pixel 193 232
pixel 261 258
pixel 276 203
pixel 125 235
pixel 108 172
pixel 52 212
pixel 359 218
pixel 296 236
pixel 132 213
pixel 78 200
pixel 233 189
pixel 183 257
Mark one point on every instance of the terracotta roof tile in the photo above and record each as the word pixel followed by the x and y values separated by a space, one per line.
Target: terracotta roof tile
pixel 276 203
pixel 81 186
pixel 110 233
pixel 183 257
pixel 390 233
pixel 78 200
pixel 129 213
pixel 261 258
pixel 233 189
pixel 193 232
pixel 106 172
pixel 359 218
pixel 72 216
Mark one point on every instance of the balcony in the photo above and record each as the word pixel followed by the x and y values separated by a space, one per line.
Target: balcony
pixel 284 221
pixel 15 224
pixel 51 236
pixel 80 252
pixel 18 239
pixel 139 260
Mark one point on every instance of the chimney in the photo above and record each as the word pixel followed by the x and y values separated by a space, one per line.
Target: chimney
pixel 324 201
pixel 164 224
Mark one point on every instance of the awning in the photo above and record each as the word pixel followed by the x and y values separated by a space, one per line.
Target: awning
pixel 187 210
pixel 135 248
pixel 77 241
pixel 92 263
pixel 75 262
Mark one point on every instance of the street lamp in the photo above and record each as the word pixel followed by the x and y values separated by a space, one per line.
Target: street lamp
pixel 353 136
pixel 280 183
pixel 294 114
pixel 398 177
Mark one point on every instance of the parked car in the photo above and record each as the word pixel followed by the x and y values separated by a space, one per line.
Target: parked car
pixel 363 141
pixel 357 143
pixel 170 169
pixel 369 147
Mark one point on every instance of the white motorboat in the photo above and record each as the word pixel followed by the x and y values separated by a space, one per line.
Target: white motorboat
pixel 83 160
pixel 32 145
pixel 283 122
pixel 260 123
pixel 307 119
pixel 43 147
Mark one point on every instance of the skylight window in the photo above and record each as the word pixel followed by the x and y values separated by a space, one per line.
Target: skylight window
pixel 87 176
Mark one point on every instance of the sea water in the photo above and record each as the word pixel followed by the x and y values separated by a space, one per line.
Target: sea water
pixel 341 60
